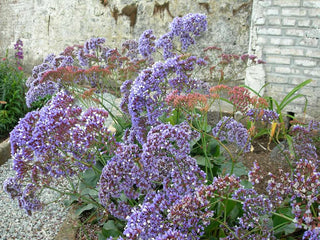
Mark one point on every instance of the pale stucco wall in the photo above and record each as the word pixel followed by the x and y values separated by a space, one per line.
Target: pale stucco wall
pixel 47 26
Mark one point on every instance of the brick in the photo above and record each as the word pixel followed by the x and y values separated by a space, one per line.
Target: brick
pixel 293 12
pixel 265 3
pixel 297 80
pixel 287 3
pixel 315 53
pixel 272 50
pixel 269 31
pixel 314 12
pixel 312 72
pixel 272 11
pixel 278 60
pixel 295 32
pixel 309 42
pixel 276 89
pixel 260 21
pixel 311 3
pixel 304 23
pixel 292 51
pixel 262 40
pixel 282 41
pixel 288 21
pixel 285 70
pixel 305 62
pixel 274 21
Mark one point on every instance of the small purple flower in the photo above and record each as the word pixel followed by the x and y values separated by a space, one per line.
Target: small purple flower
pixel 132 49
pixel 12 187
pixel 93 44
pixel 263 115
pixel 29 200
pixel 166 43
pixel 185 27
pixel 56 141
pixel 18 46
pixel 231 130
pixel 172 234
pixel 311 234
pixel 147 43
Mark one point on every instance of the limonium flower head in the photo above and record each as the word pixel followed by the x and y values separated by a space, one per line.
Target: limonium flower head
pixel 264 115
pixel 159 173
pixel 11 187
pixel 18 46
pixel 56 141
pixel 93 44
pixel 146 99
pixel 185 28
pixel 303 142
pixel 132 49
pixel 188 26
pixel 232 131
pixel 147 43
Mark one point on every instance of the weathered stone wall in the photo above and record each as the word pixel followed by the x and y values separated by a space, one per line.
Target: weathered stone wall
pixel 47 26
pixel 286 34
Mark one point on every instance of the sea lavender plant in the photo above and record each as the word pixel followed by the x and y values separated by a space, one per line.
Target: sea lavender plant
pixel 157 174
pixel 58 141
pixel 148 91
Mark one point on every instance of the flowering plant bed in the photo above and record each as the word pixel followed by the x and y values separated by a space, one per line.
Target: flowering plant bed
pixel 163 171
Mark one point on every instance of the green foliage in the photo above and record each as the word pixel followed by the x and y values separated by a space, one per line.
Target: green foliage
pixel 12 96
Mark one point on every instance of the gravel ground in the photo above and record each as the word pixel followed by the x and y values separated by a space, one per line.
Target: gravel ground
pixel 15 224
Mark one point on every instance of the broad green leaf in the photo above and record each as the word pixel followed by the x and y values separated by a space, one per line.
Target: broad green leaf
pixel 201 160
pixel 84 208
pixel 238 170
pixel 110 229
pixel 214 148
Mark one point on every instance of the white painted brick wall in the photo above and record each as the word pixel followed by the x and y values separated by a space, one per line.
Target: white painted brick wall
pixel 290 43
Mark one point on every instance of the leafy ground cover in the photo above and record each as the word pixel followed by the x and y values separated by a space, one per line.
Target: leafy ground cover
pixel 165 170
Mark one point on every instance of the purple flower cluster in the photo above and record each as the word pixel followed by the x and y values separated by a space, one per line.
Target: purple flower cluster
pixel 264 115
pixel 56 141
pixel 36 87
pixel 185 28
pixel 230 130
pixel 146 99
pixel 302 185
pixel 39 85
pixel 27 198
pixel 159 173
pixel 18 46
pixel 93 44
pixel 254 222
pixel 303 141
pixel 147 43
pixel 132 49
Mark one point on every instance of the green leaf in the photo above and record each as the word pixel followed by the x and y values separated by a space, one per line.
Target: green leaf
pixel 214 148
pixel 110 229
pixel 201 161
pixel 287 99
pixel 89 179
pixel 281 224
pixel 246 184
pixel 238 170
pixel 83 208
pixel 219 160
